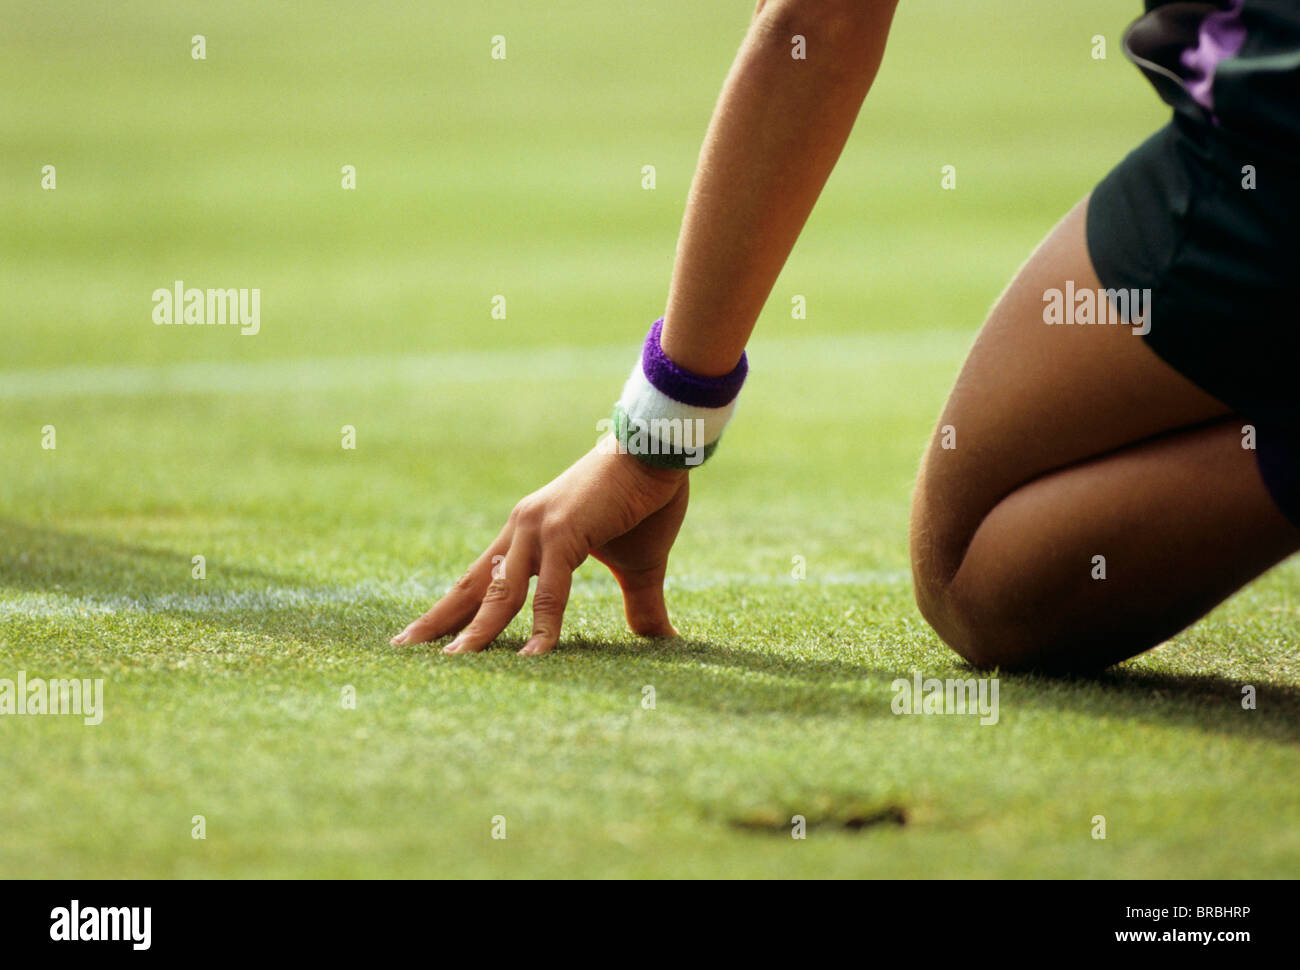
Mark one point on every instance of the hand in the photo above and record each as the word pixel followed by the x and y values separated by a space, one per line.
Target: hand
pixel 608 505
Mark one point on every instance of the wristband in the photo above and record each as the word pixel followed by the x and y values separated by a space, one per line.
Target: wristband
pixel 669 417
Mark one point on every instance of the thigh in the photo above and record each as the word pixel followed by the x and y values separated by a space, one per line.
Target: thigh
pixel 1035 397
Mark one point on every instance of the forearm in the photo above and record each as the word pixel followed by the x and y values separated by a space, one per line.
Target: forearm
pixel 778 129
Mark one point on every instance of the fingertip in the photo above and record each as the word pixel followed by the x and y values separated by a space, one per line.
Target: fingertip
pixel 661 628
pixel 459 645
pixel 656 627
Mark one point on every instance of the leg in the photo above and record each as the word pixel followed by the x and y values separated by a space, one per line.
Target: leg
pixel 1073 442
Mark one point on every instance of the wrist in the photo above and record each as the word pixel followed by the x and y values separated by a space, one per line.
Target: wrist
pixel 669 417
pixel 649 472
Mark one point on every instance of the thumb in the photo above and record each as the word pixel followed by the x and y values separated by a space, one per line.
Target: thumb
pixel 644 606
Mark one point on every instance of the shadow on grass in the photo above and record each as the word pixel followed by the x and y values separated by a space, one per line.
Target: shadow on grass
pixel 1206 701
pixel 45 560
pixel 695 673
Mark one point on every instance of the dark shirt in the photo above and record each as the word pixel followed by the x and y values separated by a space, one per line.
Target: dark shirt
pixel 1233 64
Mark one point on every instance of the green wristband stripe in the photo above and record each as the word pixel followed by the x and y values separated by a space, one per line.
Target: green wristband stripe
pixel 636 437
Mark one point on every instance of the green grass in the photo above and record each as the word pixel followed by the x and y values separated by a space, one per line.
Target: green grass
pixel 523 177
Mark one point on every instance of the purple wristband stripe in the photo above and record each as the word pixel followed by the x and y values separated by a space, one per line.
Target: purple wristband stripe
pixel 683 386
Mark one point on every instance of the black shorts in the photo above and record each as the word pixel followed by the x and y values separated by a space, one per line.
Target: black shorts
pixel 1207 223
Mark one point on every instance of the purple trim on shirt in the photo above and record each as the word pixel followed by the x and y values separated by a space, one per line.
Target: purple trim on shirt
pixel 683 386
pixel 1221 37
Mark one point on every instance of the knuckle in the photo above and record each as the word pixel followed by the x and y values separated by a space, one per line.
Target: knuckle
pixel 525 510
pixel 498 590
pixel 552 531
pixel 546 605
pixel 558 537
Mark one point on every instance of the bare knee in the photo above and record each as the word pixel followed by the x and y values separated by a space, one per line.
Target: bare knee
pixel 973 632
pixel 983 618
pixel 991 619
pixel 936 546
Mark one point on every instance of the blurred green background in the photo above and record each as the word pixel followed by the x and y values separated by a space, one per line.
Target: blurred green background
pixel 522 177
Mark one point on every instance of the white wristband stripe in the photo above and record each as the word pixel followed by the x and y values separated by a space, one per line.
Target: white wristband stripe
pixel 642 401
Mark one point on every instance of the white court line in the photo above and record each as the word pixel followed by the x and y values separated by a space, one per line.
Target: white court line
pixel 824 353
pixel 375 593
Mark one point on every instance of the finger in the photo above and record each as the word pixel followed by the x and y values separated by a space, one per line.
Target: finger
pixel 503 598
pixel 554 578
pixel 644 606
pixel 458 606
